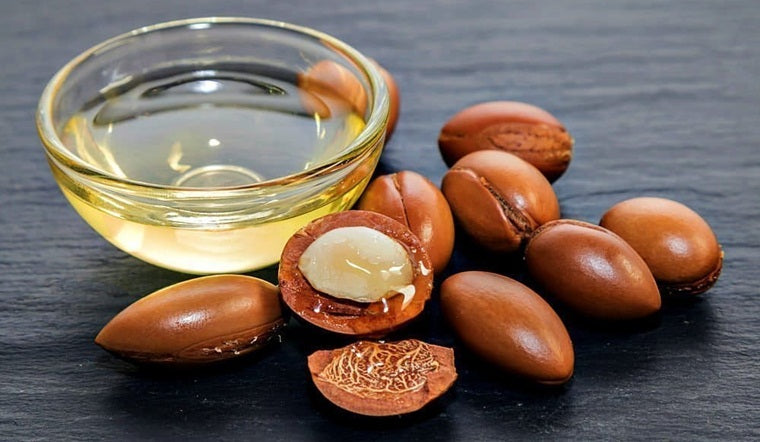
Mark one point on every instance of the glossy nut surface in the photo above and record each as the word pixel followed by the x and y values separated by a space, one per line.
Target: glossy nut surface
pixel 509 325
pixel 677 244
pixel 413 200
pixel 592 270
pixel 343 315
pixel 525 130
pixel 383 379
pixel 328 87
pixel 499 199
pixel 201 320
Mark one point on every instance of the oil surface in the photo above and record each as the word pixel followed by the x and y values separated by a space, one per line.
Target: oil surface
pixel 208 129
pixel 204 129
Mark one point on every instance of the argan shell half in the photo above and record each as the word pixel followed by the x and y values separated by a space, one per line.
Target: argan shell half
pixel 200 320
pixel 383 379
pixel 346 316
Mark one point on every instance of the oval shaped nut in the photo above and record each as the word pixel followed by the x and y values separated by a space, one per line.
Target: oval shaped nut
pixel 499 199
pixel 509 325
pixel 200 320
pixel 522 129
pixel 395 100
pixel 366 287
pixel 383 379
pixel 328 88
pixel 413 200
pixel 592 270
pixel 677 244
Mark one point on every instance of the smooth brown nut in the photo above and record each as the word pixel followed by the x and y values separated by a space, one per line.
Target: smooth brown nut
pixel 592 270
pixel 383 379
pixel 678 245
pixel 499 199
pixel 394 97
pixel 200 320
pixel 414 201
pixel 328 88
pixel 509 325
pixel 525 130
pixel 347 316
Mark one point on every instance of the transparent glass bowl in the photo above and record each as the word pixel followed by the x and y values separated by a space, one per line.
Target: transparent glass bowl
pixel 224 217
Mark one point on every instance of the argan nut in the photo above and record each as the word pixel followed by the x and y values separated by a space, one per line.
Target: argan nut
pixel 394 100
pixel 197 321
pixel 522 129
pixel 333 87
pixel 355 273
pixel 414 201
pixel 678 245
pixel 509 325
pixel 592 270
pixel 499 199
pixel 383 379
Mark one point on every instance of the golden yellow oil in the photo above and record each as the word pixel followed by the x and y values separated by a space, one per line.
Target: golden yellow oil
pixel 200 130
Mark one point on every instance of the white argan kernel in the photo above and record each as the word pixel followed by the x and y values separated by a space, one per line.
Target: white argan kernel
pixel 358 263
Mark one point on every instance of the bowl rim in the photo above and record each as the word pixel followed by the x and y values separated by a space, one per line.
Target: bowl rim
pixel 367 139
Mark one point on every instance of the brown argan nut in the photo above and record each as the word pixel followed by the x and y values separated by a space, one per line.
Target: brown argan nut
pixel 413 200
pixel 383 379
pixel 394 100
pixel 678 245
pixel 499 199
pixel 200 320
pixel 328 88
pixel 356 273
pixel 525 130
pixel 509 325
pixel 592 270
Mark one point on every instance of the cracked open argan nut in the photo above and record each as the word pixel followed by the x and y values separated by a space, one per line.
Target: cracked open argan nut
pixel 383 379
pixel 355 273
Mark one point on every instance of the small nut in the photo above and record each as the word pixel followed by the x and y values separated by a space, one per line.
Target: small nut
pixel 383 379
pixel 413 200
pixel 522 129
pixel 329 85
pixel 592 270
pixel 677 244
pixel 201 320
pixel 499 199
pixel 509 325
pixel 356 273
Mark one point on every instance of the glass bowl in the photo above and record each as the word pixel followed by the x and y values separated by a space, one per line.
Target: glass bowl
pixel 202 145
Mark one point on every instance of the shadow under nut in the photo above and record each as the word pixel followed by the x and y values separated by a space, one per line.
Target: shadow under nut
pixel 499 199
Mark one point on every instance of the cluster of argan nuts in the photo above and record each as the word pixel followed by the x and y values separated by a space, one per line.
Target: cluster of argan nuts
pixel 369 271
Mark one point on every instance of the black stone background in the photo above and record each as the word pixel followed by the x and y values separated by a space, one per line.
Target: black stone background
pixel 662 97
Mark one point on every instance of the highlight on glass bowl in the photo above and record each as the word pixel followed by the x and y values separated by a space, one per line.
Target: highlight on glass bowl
pixel 202 145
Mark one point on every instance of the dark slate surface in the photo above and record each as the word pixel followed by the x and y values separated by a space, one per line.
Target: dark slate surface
pixel 663 98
